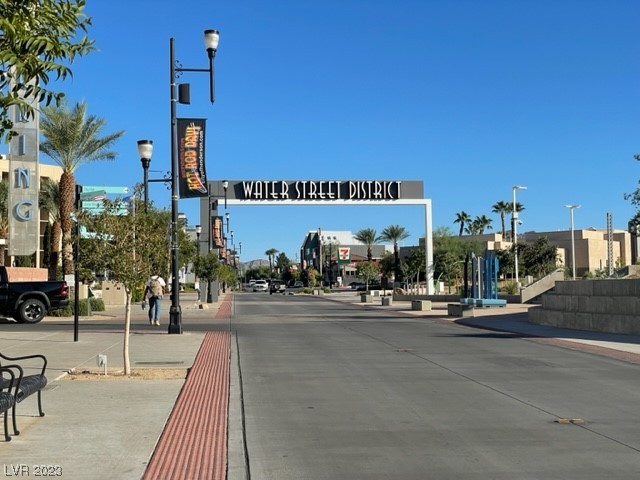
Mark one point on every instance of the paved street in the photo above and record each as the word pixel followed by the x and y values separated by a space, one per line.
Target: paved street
pixel 332 391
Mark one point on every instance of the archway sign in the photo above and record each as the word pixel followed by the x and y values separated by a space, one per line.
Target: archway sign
pixel 313 192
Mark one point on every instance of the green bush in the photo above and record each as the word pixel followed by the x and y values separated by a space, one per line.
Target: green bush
pixel 510 288
pixel 97 305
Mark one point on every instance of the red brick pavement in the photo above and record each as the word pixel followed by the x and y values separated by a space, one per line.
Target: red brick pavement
pixel 193 444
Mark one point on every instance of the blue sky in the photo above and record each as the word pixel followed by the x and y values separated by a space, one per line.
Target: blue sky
pixel 471 97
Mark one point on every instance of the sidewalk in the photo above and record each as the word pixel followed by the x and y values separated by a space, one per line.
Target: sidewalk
pixel 101 428
pixel 513 319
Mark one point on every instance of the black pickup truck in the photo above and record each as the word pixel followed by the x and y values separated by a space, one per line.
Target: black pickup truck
pixel 29 302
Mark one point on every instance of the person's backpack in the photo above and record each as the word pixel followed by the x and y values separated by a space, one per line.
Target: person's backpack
pixel 155 287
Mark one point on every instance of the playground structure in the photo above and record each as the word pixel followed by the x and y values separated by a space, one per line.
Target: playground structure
pixel 483 291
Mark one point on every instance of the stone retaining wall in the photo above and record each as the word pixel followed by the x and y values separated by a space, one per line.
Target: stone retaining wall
pixel 611 306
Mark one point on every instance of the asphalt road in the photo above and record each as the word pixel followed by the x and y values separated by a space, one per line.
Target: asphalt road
pixel 335 391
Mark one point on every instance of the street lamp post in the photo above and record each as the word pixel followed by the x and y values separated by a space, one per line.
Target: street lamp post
pixel 320 255
pixel 198 232
pixel 227 216
pixel 573 239
pixel 145 150
pixel 211 38
pixel 514 218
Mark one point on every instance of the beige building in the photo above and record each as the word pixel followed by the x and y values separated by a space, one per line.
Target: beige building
pixel 46 171
pixel 592 247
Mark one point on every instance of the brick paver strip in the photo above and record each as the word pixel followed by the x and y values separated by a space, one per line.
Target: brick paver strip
pixel 193 444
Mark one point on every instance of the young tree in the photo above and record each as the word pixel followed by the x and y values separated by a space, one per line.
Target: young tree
pixel 369 237
pixel 206 267
pixel 367 271
pixel 131 247
pixel 71 139
pixel 540 258
pixel 39 38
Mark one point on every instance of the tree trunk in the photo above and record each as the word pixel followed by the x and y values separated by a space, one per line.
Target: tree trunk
pixel 56 235
pixel 67 201
pixel 127 329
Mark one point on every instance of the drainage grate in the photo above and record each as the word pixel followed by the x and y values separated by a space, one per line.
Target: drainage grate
pixel 565 421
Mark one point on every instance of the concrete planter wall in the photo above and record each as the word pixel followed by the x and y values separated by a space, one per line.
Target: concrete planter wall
pixel 611 306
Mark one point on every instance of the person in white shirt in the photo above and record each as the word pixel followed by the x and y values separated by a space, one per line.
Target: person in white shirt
pixel 154 290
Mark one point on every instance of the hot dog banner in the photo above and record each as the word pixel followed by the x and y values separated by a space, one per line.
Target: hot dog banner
pixel 192 172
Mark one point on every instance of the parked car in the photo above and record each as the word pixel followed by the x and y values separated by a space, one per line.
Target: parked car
pixel 29 302
pixel 260 286
pixel 276 286
pixel 371 286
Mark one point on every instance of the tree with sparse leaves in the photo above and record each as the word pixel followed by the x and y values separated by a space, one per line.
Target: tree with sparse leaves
pixel 130 247
pixel 39 39
pixel 367 271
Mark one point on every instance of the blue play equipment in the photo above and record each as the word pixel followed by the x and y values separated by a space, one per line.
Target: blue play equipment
pixel 484 281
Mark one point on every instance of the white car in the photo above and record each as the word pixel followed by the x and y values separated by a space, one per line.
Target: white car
pixel 260 286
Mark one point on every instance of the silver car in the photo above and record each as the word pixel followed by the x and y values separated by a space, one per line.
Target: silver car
pixel 260 286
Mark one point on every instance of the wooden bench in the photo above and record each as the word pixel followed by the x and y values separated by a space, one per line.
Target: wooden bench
pixel 24 385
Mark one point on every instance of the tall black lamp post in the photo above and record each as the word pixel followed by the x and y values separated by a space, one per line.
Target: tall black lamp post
pixel 211 38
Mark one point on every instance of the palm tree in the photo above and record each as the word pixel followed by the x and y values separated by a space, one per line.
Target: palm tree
pixel 480 224
pixel 463 219
pixel 369 238
pixel 271 254
pixel 395 234
pixel 72 138
pixel 49 199
pixel 501 208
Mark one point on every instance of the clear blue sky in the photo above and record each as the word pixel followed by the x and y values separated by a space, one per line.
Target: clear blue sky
pixel 471 97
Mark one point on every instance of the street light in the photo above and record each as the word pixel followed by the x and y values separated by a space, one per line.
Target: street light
pixel 198 232
pixel 225 186
pixel 320 254
pixel 573 239
pixel 211 39
pixel 227 216
pixel 145 150
pixel 514 218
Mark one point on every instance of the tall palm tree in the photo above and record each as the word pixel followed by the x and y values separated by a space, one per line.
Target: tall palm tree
pixel 463 218
pixel 49 199
pixel 271 254
pixel 72 138
pixel 501 208
pixel 369 237
pixel 395 234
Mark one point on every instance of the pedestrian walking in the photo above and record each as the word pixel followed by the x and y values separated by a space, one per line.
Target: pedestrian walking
pixel 154 290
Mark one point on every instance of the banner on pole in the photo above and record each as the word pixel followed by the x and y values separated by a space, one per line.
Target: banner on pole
pixel 191 159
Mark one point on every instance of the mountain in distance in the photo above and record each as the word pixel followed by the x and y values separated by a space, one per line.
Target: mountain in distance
pixel 255 263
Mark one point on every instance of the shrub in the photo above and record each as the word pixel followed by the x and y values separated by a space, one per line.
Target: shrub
pixel 97 305
pixel 510 288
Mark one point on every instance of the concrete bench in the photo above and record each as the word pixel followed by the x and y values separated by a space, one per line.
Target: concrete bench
pixel 387 301
pixel 421 305
pixel 459 310
pixel 365 298
pixel 23 386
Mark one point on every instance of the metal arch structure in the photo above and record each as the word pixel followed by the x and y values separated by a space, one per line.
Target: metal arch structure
pixel 235 195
